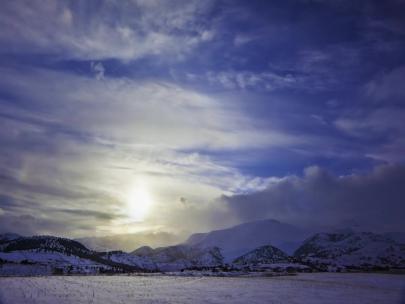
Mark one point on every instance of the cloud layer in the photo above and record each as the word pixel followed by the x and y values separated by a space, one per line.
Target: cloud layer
pixel 198 100
pixel 124 30
pixel 372 201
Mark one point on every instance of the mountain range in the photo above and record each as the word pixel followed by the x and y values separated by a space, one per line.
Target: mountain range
pixel 259 245
pixel 130 241
pixel 240 239
pixel 361 250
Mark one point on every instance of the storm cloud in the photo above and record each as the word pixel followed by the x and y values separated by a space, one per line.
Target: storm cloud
pixel 368 201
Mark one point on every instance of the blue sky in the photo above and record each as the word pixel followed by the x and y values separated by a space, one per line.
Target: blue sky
pixel 183 116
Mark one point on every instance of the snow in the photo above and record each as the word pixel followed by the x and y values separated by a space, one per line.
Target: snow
pixel 263 255
pixel 303 288
pixel 238 240
pixel 130 259
pixel 178 257
pixel 352 249
pixel 24 270
pixel 54 258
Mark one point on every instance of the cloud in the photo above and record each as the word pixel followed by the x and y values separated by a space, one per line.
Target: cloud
pixel 27 224
pixel 124 30
pixel 246 80
pixel 70 140
pixel 98 70
pixel 197 99
pixel 374 122
pixel 374 200
pixel 87 213
pixel 310 70
pixel 376 118
pixel 242 39
pixel 388 87
pixel 381 129
pixel 130 111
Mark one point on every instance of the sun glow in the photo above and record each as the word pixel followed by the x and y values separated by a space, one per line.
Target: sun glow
pixel 139 202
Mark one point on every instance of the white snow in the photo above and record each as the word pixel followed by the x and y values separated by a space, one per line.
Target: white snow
pixel 304 288
pixel 52 258
pixel 173 258
pixel 241 239
pixel 352 249
pixel 130 259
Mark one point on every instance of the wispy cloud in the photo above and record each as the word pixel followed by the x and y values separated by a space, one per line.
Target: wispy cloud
pixel 195 99
pixel 90 141
pixel 124 30
pixel 98 69
pixel 135 112
pixel 388 87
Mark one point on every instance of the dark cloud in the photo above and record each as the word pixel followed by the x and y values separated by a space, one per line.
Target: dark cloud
pixel 53 222
pixel 374 201
pixel 388 87
pixel 90 213
pixel 27 225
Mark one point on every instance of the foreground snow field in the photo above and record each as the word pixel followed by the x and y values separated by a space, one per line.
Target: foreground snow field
pixel 303 288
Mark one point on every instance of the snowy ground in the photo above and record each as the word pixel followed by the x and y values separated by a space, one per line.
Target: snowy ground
pixel 303 288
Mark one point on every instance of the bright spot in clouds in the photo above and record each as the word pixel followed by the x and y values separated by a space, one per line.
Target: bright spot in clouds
pixel 125 106
pixel 139 202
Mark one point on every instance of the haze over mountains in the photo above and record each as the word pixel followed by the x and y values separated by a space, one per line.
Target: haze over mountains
pixel 240 239
pixel 233 241
pixel 131 241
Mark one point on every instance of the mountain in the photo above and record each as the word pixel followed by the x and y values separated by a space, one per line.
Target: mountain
pixel 44 243
pixel 181 256
pixel 121 257
pixel 61 254
pixel 351 250
pixel 40 255
pixel 252 246
pixel 128 242
pixel 263 255
pixel 398 237
pixel 240 239
pixel 6 237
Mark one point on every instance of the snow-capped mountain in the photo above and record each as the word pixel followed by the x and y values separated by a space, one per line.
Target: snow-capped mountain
pixel 249 246
pixel 121 257
pixel 62 254
pixel 181 256
pixel 68 256
pixel 351 250
pixel 263 255
pixel 241 239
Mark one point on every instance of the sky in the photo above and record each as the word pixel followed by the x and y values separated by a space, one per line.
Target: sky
pixel 186 116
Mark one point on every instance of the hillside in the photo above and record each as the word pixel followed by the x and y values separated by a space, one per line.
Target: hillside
pixel 263 255
pixel 58 254
pixel 352 250
pixel 181 256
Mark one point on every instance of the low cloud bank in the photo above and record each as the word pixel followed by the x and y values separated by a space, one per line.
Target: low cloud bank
pixel 373 201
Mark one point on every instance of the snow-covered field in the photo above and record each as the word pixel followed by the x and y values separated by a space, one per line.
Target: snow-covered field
pixel 303 288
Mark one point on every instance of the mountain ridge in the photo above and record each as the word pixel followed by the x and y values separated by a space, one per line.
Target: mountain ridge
pixel 240 239
pixel 251 245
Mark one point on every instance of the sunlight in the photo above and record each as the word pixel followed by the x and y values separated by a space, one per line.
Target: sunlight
pixel 139 202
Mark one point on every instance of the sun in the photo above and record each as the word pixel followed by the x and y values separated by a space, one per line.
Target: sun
pixel 139 202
